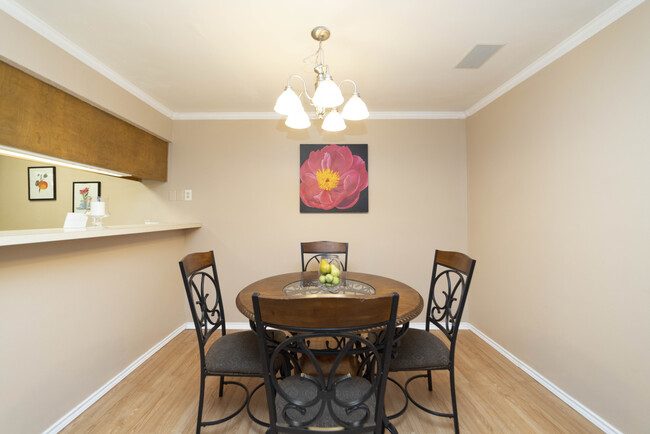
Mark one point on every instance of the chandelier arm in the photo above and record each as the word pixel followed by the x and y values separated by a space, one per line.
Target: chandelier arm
pixel 351 81
pixel 304 85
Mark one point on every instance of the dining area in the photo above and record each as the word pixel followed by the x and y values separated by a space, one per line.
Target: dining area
pixel 533 164
pixel 325 342
pixel 313 358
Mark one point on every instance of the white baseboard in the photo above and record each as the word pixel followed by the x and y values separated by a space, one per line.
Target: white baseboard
pixel 568 399
pixel 237 326
pixel 229 326
pixel 420 326
pixel 72 414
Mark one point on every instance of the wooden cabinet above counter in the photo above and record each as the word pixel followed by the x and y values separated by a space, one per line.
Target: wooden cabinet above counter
pixel 38 117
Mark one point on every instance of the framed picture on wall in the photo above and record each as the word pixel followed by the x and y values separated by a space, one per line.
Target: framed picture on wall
pixel 333 178
pixel 41 183
pixel 83 193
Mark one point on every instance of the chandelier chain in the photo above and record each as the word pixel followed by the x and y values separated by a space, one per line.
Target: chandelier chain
pixel 318 56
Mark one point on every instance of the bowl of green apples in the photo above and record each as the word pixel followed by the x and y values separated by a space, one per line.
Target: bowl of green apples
pixel 330 273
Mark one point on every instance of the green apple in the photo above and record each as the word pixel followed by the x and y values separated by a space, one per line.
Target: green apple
pixel 336 280
pixel 329 278
pixel 321 278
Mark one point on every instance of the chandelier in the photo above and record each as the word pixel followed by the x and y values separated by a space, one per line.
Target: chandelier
pixel 327 95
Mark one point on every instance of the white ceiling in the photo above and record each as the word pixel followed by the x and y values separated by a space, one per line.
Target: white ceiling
pixel 196 56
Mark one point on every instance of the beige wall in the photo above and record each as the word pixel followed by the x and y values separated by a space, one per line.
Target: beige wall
pixel 559 212
pixel 25 49
pixel 129 202
pixel 81 302
pixel 245 180
pixel 73 314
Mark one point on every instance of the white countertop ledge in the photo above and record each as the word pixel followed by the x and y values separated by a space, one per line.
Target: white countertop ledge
pixel 31 236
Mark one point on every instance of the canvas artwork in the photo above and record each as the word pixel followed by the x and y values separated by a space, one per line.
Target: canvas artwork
pixel 83 193
pixel 41 183
pixel 333 178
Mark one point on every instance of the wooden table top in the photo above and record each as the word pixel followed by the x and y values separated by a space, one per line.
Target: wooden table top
pixel 410 301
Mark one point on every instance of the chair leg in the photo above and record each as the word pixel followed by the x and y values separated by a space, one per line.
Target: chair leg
pixel 220 386
pixel 423 408
pixel 453 400
pixel 429 380
pixel 201 395
pixel 388 426
pixel 406 400
pixel 248 408
pixel 230 416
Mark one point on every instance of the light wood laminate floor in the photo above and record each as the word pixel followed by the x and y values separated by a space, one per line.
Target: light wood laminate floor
pixel 493 395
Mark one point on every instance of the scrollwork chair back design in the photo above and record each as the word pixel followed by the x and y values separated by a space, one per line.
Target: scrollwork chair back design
pixel 420 350
pixel 209 314
pixel 231 355
pixel 447 289
pixel 328 396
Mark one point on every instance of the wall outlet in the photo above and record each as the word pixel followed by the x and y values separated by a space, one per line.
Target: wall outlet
pixel 188 195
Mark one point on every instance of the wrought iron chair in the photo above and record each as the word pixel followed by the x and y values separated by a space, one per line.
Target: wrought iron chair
pixel 315 250
pixel 325 334
pixel 233 354
pixel 420 350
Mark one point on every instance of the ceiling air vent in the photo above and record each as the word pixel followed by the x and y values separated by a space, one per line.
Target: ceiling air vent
pixel 478 56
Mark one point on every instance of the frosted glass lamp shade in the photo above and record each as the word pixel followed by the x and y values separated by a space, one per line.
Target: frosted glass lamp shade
pixel 288 102
pixel 333 121
pixel 327 94
pixel 298 120
pixel 355 109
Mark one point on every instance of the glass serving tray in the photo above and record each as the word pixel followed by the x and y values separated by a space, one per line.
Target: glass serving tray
pixel 313 286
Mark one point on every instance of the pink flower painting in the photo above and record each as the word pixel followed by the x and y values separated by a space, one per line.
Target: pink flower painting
pixel 333 178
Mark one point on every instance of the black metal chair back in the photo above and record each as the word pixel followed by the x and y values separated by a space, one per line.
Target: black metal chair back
pixel 233 355
pixel 204 296
pixel 316 250
pixel 450 280
pixel 329 396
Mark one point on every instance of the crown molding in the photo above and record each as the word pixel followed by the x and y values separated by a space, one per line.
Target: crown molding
pixel 587 31
pixel 229 116
pixel 417 115
pixel 225 116
pixel 603 20
pixel 25 17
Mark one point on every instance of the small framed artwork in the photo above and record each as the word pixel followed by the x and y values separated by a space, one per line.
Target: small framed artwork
pixel 83 193
pixel 41 183
pixel 333 178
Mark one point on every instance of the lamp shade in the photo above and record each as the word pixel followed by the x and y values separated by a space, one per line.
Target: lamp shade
pixel 333 121
pixel 288 102
pixel 355 109
pixel 327 94
pixel 298 120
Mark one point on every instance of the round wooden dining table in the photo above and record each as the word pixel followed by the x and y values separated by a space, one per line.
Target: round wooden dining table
pixel 360 284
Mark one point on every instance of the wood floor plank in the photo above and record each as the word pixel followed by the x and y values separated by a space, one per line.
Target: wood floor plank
pixel 494 396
